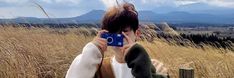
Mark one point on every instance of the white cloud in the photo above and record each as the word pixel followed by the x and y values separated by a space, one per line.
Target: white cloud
pixel 47 1
pixel 222 3
pixel 14 1
pixel 62 1
pixel 143 1
pixel 26 8
pixel 110 3
pixel 219 3
pixel 13 12
pixel 44 1
pixel 69 8
pixel 155 2
pixel 186 2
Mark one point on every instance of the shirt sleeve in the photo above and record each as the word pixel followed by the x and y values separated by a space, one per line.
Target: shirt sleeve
pixel 84 65
pixel 138 60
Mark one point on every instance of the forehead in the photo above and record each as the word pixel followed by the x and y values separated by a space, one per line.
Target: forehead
pixel 124 29
pixel 127 29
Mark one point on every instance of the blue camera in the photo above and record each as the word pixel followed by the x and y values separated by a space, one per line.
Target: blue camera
pixel 113 39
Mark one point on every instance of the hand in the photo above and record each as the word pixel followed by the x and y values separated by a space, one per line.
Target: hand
pixel 160 68
pixel 101 43
pixel 129 44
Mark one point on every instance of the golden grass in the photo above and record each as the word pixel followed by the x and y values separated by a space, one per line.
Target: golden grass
pixel 45 52
pixel 208 63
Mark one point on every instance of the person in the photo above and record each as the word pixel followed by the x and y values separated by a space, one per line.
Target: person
pixel 129 61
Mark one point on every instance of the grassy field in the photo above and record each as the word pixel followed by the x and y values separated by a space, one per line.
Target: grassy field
pixel 47 53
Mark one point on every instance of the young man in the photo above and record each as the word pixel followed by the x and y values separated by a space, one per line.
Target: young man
pixel 129 61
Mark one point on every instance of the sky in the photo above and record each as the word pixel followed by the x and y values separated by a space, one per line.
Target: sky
pixel 73 8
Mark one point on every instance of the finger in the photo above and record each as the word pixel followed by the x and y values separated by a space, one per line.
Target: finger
pixel 101 32
pixel 159 67
pixel 98 44
pixel 155 62
pixel 127 38
pixel 102 40
pixel 105 48
pixel 103 43
pixel 164 71
pixel 125 47
pixel 102 47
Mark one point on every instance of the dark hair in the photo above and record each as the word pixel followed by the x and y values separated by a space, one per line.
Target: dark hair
pixel 117 18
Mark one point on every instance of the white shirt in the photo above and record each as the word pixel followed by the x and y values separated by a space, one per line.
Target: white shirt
pixel 84 65
pixel 121 70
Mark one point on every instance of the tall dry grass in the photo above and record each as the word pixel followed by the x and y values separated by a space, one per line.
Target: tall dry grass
pixel 47 53
pixel 37 52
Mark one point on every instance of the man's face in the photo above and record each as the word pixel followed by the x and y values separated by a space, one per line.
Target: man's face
pixel 131 34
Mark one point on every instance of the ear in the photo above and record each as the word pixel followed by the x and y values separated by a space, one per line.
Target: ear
pixel 138 34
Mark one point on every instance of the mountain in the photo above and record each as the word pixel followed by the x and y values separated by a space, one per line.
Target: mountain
pixel 196 8
pixel 148 16
pixel 205 8
pixel 214 13
pixel 95 16
pixel 185 17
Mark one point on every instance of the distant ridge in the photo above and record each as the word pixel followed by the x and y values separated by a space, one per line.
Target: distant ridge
pixel 95 16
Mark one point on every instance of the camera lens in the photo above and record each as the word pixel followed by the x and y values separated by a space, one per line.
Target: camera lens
pixel 109 40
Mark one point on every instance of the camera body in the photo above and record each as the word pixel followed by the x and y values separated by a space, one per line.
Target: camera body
pixel 113 39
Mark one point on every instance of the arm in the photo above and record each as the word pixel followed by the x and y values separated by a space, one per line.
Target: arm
pixel 84 65
pixel 138 60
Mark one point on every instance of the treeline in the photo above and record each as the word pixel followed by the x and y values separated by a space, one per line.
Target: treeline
pixel 219 42
pixel 72 25
pixel 199 40
pixel 193 25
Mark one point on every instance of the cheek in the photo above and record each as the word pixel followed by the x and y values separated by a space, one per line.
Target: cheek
pixel 132 37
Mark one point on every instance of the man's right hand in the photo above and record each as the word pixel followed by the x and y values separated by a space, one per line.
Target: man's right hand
pixel 160 68
pixel 101 43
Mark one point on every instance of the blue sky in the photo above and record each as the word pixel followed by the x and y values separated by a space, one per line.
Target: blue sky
pixel 72 8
